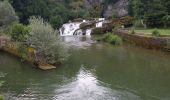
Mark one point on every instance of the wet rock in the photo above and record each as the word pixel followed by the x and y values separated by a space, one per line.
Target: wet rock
pixel 46 66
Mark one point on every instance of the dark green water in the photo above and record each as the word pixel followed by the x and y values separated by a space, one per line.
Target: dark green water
pixel 94 71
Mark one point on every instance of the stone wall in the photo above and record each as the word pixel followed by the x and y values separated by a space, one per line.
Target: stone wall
pixel 150 42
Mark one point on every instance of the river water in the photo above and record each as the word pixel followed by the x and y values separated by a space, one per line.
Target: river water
pixel 94 71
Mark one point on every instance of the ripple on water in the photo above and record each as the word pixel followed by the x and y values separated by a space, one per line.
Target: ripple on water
pixel 78 41
pixel 86 87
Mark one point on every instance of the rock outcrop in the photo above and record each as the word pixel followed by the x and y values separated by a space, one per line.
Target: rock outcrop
pixel 119 8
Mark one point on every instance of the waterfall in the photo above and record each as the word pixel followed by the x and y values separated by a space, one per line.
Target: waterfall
pixel 70 28
pixel 100 23
pixel 73 28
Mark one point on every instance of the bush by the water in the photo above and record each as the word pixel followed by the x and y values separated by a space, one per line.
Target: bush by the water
pixel 48 45
pixel 156 32
pixel 111 38
pixel 19 32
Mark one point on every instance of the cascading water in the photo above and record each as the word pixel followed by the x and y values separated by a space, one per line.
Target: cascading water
pixel 73 28
pixel 69 28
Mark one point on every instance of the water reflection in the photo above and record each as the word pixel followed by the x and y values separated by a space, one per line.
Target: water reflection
pixel 86 86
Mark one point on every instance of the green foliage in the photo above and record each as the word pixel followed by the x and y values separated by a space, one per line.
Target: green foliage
pixel 113 39
pixel 132 31
pixel 138 9
pixel 166 21
pixel 56 22
pixel 96 11
pixel 138 24
pixel 7 15
pixel 155 32
pixel 48 45
pixel 22 50
pixel 66 9
pixel 19 32
pixel 1 97
pixel 150 12
pixel 1 83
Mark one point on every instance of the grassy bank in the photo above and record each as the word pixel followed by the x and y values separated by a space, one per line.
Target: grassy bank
pixel 149 31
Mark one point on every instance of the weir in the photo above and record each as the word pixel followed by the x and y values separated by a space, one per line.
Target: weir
pixel 73 28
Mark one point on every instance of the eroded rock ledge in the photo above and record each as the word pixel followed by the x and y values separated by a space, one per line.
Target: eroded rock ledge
pixel 8 46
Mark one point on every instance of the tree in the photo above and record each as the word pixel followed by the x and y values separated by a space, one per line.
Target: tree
pixel 27 8
pixel 48 45
pixel 56 22
pixel 139 11
pixel 155 12
pixel 150 12
pixel 7 14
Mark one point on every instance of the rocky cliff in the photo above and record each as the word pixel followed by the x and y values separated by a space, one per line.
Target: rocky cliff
pixel 109 8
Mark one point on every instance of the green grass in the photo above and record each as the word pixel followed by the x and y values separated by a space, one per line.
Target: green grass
pixel 149 31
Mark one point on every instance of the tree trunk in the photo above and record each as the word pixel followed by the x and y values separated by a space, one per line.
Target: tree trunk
pixel 143 24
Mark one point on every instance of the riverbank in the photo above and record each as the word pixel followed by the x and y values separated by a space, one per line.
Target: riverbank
pixel 27 54
pixel 149 31
pixel 147 41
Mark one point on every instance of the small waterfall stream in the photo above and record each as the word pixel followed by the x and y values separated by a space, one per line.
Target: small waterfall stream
pixel 73 28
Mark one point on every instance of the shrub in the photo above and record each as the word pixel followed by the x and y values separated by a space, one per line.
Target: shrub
pixel 56 21
pixel 7 15
pixel 48 45
pixel 22 50
pixel 155 32
pixel 19 32
pixel 113 39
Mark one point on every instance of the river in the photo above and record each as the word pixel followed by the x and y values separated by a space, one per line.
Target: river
pixel 94 71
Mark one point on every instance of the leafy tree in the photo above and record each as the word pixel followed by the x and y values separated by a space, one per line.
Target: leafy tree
pixel 7 14
pixel 150 12
pixel 27 8
pixel 48 45
pixel 166 21
pixel 156 11
pixel 56 22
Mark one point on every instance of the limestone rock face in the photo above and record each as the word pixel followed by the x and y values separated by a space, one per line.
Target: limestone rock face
pixel 119 9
